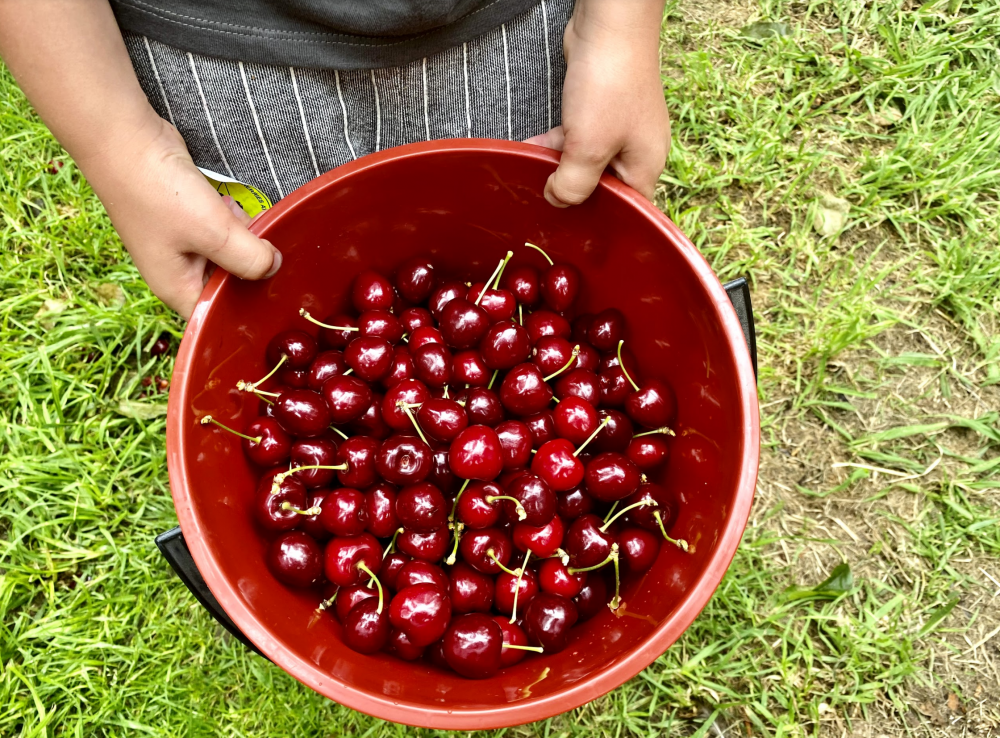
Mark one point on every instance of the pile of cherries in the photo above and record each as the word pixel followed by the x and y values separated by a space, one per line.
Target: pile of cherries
pixel 456 465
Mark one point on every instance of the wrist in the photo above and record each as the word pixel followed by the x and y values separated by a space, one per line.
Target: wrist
pixel 632 26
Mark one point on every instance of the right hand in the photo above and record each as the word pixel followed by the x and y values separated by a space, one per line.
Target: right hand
pixel 172 221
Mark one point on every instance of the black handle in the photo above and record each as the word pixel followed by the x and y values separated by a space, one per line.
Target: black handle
pixel 175 550
pixel 739 294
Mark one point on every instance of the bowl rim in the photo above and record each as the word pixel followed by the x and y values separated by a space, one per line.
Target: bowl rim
pixel 531 709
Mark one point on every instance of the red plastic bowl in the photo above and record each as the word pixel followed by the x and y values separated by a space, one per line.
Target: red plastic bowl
pixel 465 203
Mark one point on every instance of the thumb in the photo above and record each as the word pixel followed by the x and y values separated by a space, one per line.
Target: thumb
pixel 243 254
pixel 577 175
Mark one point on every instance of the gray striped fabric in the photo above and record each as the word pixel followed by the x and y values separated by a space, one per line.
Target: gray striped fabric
pixel 276 128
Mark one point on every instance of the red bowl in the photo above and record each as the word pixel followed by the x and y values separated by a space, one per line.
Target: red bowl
pixel 465 203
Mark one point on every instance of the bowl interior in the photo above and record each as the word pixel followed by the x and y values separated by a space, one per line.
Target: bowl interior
pixel 465 207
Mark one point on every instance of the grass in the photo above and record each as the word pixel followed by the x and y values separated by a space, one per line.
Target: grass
pixel 880 364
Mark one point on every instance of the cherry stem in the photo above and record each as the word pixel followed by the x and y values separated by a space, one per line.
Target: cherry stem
pixel 616 601
pixel 567 365
pixel 536 649
pixel 493 379
pixel 664 429
pixel 495 275
pixel 409 413
pixel 305 314
pixel 640 503
pixel 520 315
pixel 547 258
pixel 315 510
pixel 679 542
pixel 391 546
pixel 521 514
pixel 349 371
pixel 446 393
pixel 260 392
pixel 318 612
pixel 562 555
pixel 454 505
pixel 458 528
pixel 517 588
pixel 339 432
pixel 622 365
pixel 592 435
pixel 252 386
pixel 279 478
pixel 209 419
pixel 490 553
pixel 364 567
pixel 496 282
pixel 613 556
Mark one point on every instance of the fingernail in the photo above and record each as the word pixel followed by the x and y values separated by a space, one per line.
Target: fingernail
pixel 275 263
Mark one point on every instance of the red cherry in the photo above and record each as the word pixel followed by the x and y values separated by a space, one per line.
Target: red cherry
pixel 512 635
pixel 554 577
pixel 537 500
pixel 415 279
pixel 345 559
pixel 639 548
pixel 294 377
pixel 476 547
pixel 575 420
pixel 424 335
pixel 610 360
pixel 380 324
pixel 359 453
pixel 482 406
pixel 653 406
pixel 616 435
pixel 560 285
pixel 276 511
pixel 524 283
pixel 615 388
pixel 302 412
pixel 469 368
pixel 574 503
pixel 504 345
pixel 338 339
pixel 298 348
pixel 415 317
pixel 581 383
pixel 348 597
pixel 391 566
pixel 310 523
pixel 370 358
pixel 268 445
pixel 422 611
pixel 542 427
pixel 581 324
pixel 650 516
pixel 424 546
pixel 372 291
pixel 432 364
pixel 371 423
pixel 611 476
pixel 366 630
pixel 516 442
pixel 344 512
pixel 441 475
pixel 585 542
pixel 542 540
pixel 475 510
pixel 326 364
pixel 380 506
pixel 295 559
pixel 473 646
pixel 551 354
pixel 648 452
pixel 548 619
pixel 592 598
pixel 606 329
pixel 524 390
pixel 421 508
pixel 556 463
pixel 442 419
pixel 526 587
pixel 588 358
pixel 463 324
pixel 409 391
pixel 347 397
pixel 476 453
pixel 403 460
pixel 470 590
pixel 421 572
pixel 497 304
pixel 402 367
pixel 400 646
pixel 444 294
pixel 543 323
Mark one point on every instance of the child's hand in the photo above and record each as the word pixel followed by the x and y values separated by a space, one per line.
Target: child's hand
pixel 172 221
pixel 613 109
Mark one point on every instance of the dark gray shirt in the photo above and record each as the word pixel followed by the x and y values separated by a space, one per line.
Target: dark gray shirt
pixel 325 34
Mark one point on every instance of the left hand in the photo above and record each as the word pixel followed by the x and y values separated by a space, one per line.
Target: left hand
pixel 614 113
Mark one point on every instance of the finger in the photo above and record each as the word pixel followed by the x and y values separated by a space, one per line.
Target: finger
pixel 551 139
pixel 235 209
pixel 641 167
pixel 578 173
pixel 242 254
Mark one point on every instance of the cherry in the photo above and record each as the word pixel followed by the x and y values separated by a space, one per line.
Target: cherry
pixel 542 540
pixel 415 279
pixel 264 442
pixel 524 390
pixel 616 434
pixel 560 285
pixel 415 317
pixel 615 387
pixel 372 291
pixel 611 476
pixel 498 304
pixel 536 497
pixel 348 561
pixel 476 453
pixel 548 619
pixel 294 377
pixel 371 423
pixel 441 475
pixel 327 364
pixel 574 503
pixel 504 345
pixel 359 453
pixel 516 442
pixel 423 336
pixel 543 323
pixel 421 508
pixel 432 364
pixel 435 654
pixel 348 597
pixel 370 358
pixel 402 367
pixel 556 462
pixel 581 383
pixel 380 324
pixel 648 452
pixel 586 543
pixel 581 324
pixel 339 336
pixel 463 324
pixel 422 611
pixel 391 566
pixel 444 294
pixel 442 419
pixel 588 358
pixel 552 353
pixel 483 406
pixel 542 427
pixel 311 523
pixel 524 283
pixel 606 329
pixel 344 512
pixel 347 397
pixel 366 627
pixel 525 586
pixel 403 460
pixel 654 405
pixel 487 551
pixel 470 590
pixel 473 646
pixel 592 597
pixel 639 548
pixel 302 412
pixel 659 515
pixel 554 577
pixel 281 510
pixel 468 367
pixel 623 355
pixel 416 571
pixel 575 419
pixel 298 348
pixel 408 392
pixel 400 645
pixel 424 546
pixel 474 508
pixel 380 508
pixel 513 635
pixel 295 559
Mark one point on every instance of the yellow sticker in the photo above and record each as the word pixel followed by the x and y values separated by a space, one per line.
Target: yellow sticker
pixel 252 200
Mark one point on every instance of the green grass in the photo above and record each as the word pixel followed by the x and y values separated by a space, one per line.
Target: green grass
pixel 879 348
